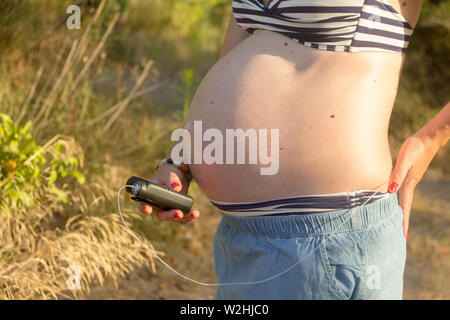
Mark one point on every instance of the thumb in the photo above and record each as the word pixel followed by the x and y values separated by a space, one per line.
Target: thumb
pixel 174 182
pixel 399 173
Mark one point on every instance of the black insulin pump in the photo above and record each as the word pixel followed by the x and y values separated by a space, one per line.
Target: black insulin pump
pixel 158 197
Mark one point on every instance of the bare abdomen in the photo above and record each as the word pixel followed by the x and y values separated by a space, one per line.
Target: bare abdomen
pixel 331 111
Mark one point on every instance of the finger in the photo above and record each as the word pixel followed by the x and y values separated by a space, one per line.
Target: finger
pixel 159 181
pixel 170 215
pixel 174 182
pixel 189 217
pixel 399 173
pixel 145 209
pixel 405 199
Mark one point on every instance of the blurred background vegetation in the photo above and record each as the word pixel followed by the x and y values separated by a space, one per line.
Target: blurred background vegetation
pixel 83 108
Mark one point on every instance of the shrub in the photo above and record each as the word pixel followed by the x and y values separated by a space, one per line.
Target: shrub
pixel 28 171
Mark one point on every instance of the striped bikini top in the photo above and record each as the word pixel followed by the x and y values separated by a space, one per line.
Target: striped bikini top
pixel 340 25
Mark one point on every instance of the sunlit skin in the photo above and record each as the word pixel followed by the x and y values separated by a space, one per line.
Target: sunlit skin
pixel 332 109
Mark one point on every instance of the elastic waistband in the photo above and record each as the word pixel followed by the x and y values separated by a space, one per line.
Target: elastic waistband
pixel 310 225
pixel 301 204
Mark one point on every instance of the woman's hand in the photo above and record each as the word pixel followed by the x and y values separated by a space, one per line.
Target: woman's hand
pixel 413 159
pixel 171 177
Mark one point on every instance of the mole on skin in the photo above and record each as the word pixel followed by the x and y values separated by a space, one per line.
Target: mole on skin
pixel 332 116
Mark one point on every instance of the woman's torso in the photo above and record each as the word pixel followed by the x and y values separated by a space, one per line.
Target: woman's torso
pixel 332 111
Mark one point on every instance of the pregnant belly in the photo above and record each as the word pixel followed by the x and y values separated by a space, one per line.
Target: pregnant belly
pixel 325 115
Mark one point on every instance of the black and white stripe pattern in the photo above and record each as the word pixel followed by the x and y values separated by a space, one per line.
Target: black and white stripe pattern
pixel 301 205
pixel 341 25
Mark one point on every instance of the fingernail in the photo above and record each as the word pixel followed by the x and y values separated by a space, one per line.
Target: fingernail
pixel 177 215
pixel 147 209
pixel 174 185
pixel 193 215
pixel 393 186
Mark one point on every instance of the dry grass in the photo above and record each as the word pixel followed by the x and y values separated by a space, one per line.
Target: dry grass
pixel 36 247
pixel 428 257
pixel 38 244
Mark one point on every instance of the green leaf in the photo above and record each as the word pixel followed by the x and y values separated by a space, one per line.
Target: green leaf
pixel 59 148
pixel 36 171
pixel 27 146
pixel 14 147
pixel 79 176
pixel 72 161
pixel 52 177
pixel 59 193
pixel 15 196
pixel 27 128
pixel 5 209
pixel 7 124
pixel 63 171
